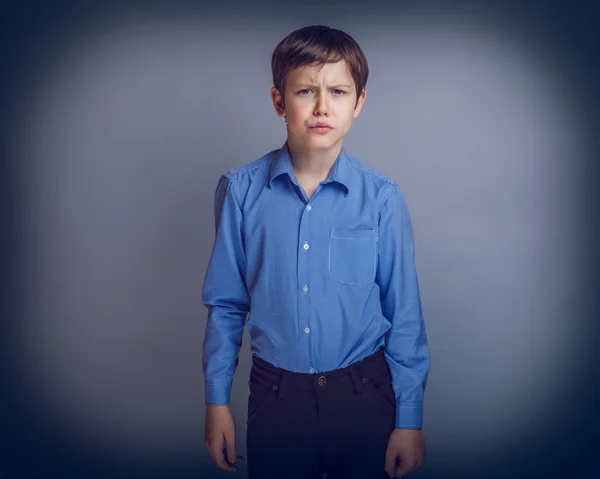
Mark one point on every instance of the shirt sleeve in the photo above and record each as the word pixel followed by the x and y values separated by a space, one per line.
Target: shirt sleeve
pixel 225 295
pixel 407 349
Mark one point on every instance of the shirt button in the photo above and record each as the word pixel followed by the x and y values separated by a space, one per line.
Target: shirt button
pixel 306 246
pixel 311 370
pixel 307 330
pixel 308 207
pixel 305 289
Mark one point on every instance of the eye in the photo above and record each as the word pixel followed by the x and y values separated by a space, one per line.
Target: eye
pixel 305 91
pixel 339 92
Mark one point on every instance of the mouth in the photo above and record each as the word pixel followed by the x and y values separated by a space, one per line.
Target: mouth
pixel 321 128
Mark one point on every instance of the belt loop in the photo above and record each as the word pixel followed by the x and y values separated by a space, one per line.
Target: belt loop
pixel 356 379
pixel 282 383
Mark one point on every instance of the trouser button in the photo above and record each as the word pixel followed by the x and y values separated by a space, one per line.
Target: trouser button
pixel 322 381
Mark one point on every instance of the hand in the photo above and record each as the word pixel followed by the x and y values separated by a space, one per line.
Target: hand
pixel 405 452
pixel 220 432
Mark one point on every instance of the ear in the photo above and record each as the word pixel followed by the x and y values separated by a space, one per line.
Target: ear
pixel 360 103
pixel 278 102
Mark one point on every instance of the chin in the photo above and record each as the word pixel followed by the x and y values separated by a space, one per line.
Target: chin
pixel 322 143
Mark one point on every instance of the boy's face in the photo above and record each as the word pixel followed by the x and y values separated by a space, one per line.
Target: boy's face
pixel 316 95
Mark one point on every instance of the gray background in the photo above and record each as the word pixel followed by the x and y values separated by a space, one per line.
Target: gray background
pixel 122 135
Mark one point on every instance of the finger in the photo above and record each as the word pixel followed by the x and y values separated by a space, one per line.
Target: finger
pixel 402 470
pixel 225 465
pixel 390 463
pixel 237 459
pixel 218 455
pixel 222 463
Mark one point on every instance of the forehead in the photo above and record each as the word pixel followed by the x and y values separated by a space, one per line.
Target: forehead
pixel 337 72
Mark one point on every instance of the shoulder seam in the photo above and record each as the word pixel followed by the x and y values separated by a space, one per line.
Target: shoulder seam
pixel 236 192
pixel 387 180
pixel 266 161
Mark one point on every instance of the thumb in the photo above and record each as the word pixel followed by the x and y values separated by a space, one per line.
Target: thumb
pixel 230 445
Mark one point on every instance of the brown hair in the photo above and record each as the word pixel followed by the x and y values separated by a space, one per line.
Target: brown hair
pixel 318 44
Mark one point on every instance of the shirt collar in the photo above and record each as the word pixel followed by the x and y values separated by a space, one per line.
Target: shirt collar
pixel 341 171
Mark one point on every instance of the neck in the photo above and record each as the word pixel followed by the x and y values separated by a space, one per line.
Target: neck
pixel 313 163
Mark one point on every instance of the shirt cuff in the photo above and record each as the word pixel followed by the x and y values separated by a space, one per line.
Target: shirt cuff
pixel 409 415
pixel 218 392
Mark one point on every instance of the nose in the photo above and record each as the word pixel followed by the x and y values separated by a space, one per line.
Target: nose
pixel 322 106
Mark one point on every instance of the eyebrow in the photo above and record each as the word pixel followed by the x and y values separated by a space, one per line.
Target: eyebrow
pixel 312 85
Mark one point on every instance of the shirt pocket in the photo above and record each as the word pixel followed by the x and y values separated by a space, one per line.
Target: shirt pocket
pixel 353 255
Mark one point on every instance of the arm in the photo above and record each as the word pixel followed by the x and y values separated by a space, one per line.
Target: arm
pixel 407 350
pixel 225 295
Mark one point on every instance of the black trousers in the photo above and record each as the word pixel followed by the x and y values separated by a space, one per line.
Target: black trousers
pixel 303 425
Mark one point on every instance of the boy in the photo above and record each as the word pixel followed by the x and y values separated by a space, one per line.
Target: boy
pixel 318 248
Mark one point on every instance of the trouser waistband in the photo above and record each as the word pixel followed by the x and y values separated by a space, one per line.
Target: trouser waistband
pixel 265 374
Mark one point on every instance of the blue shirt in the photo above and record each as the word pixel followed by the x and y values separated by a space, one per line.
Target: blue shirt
pixel 322 283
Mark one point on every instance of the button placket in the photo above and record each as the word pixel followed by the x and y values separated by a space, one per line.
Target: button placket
pixel 303 278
